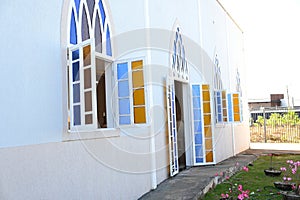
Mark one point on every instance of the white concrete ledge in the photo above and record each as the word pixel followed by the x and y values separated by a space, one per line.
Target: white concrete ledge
pixel 276 146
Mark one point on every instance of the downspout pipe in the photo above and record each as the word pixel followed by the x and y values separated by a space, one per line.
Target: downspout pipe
pixel 150 96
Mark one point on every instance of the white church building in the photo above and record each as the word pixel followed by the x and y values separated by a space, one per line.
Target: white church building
pixel 105 99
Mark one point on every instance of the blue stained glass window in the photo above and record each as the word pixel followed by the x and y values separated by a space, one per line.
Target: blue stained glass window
pixel 75 55
pixel 123 120
pixel 230 111
pixel 198 151
pixel 175 50
pixel 102 12
pixel 196 90
pixel 123 89
pixel 196 102
pixel 76 93
pixel 108 42
pixel 76 71
pixel 77 4
pixel 174 121
pixel 174 60
pixel 173 94
pixel 122 69
pixel 198 138
pixel 219 98
pixel 73 32
pixel 219 108
pixel 77 118
pixel 220 117
pixel 173 106
pixel 197 127
pixel 197 114
pixel 124 106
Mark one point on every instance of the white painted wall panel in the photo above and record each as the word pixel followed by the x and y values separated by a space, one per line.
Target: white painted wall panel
pixel 30 78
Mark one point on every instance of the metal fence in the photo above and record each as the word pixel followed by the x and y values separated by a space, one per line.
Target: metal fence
pixel 273 125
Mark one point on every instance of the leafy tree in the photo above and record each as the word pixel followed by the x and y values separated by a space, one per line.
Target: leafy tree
pixel 260 120
pixel 274 120
pixel 290 118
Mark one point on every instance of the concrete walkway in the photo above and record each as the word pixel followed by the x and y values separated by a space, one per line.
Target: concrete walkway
pixel 193 183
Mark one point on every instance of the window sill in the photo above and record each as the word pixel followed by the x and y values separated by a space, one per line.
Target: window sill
pixel 93 134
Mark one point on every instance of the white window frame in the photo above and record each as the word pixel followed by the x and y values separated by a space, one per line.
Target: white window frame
pixel 232 108
pixel 218 112
pixel 82 126
pixel 130 82
pixel 172 135
pixel 109 112
pixel 204 148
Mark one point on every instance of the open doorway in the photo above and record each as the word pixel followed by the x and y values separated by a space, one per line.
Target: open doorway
pixel 101 93
pixel 180 126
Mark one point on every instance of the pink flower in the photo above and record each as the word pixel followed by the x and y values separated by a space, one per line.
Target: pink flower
pixel 284 178
pixel 283 169
pixel 225 195
pixel 216 174
pixel 240 188
pixel 227 177
pixel 246 195
pixel 246 169
pixel 241 197
pixel 289 161
pixel 289 178
pixel 221 173
pixel 294 171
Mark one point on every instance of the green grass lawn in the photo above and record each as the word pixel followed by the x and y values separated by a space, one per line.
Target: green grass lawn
pixel 260 185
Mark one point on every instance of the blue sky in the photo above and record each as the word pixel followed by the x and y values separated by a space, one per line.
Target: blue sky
pixel 272 44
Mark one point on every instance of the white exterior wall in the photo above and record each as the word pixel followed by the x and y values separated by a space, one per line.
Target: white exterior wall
pixel 71 170
pixel 30 80
pixel 221 36
pixel 33 79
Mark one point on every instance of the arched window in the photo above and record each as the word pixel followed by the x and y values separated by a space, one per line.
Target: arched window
pixel 218 85
pixel 179 63
pixel 90 54
pixel 88 20
pixel 219 94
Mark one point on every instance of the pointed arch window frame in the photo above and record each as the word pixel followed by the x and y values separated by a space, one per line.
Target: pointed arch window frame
pixel 105 25
pixel 75 28
pixel 220 97
pixel 179 64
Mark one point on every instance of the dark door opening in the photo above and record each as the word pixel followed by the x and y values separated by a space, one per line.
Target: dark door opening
pixel 180 125
pixel 101 93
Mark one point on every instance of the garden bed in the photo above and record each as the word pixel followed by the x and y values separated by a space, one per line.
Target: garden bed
pixel 259 185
